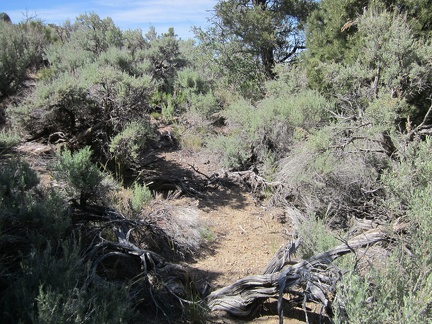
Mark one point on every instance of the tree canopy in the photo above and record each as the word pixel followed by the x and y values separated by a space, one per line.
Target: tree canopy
pixel 247 38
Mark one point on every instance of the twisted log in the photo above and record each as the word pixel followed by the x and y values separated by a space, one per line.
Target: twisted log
pixel 311 280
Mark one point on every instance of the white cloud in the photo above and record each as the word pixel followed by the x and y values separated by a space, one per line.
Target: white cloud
pixel 180 14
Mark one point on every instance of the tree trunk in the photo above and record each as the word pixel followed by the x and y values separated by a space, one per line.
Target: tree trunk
pixel 268 61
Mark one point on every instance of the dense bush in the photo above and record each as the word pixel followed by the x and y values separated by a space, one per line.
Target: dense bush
pixel 30 220
pixel 333 179
pixel 128 146
pixel 341 166
pixel 95 34
pixel 315 237
pixel 399 291
pixel 392 63
pixel 83 180
pixel 363 165
pixel 44 269
pixel 17 181
pixel 21 49
pixel 342 131
pixel 66 57
pixel 267 130
pixel 165 59
pixel 8 138
pixel 141 195
pixel 87 107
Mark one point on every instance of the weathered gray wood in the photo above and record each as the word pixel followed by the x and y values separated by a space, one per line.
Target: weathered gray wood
pixel 313 279
pixel 171 277
pixel 282 256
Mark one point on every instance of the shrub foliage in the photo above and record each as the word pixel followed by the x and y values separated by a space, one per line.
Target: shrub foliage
pixel 342 132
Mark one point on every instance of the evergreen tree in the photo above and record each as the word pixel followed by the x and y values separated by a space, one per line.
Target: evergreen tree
pixel 332 32
pixel 5 17
pixel 246 36
pixel 164 56
pixel 95 34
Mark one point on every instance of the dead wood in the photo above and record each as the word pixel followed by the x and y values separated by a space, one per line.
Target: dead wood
pixel 250 179
pixel 283 256
pixel 424 128
pixel 120 254
pixel 176 186
pixel 312 280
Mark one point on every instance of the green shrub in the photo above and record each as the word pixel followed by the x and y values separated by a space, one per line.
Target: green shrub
pixel 19 51
pixel 95 34
pixel 168 110
pixel 120 59
pixel 105 304
pixel 204 105
pixel 9 138
pixel 290 80
pixel 413 172
pixel 315 237
pixel 331 175
pixel 87 106
pixel 83 179
pixel 141 195
pixel 392 63
pixel 191 81
pixel 16 180
pixel 266 131
pixel 129 145
pixel 238 72
pixel 88 40
pixel 49 288
pixel 27 209
pixel 165 59
pixel 40 268
pixel 236 148
pixel 398 291
pixel 32 227
pixel 43 268
pixel 67 57
pixel 134 41
pixel 191 138
pixel 235 152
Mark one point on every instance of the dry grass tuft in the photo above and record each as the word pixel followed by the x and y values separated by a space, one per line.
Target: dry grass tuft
pixel 173 227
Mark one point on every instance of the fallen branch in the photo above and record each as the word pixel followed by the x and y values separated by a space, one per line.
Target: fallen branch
pixel 312 280
pixel 246 178
pixel 424 128
pixel 125 256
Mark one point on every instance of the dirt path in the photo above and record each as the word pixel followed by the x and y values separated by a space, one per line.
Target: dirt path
pixel 242 236
pixel 245 235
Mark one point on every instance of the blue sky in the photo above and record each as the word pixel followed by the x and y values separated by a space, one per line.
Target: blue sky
pixel 180 14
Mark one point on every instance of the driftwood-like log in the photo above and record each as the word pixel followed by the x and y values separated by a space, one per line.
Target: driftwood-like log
pixel 159 282
pixel 308 280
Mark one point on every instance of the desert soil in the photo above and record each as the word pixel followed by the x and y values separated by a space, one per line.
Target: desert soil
pixel 243 236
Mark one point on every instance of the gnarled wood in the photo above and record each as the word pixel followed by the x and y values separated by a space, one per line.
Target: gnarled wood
pixel 159 282
pixel 308 280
